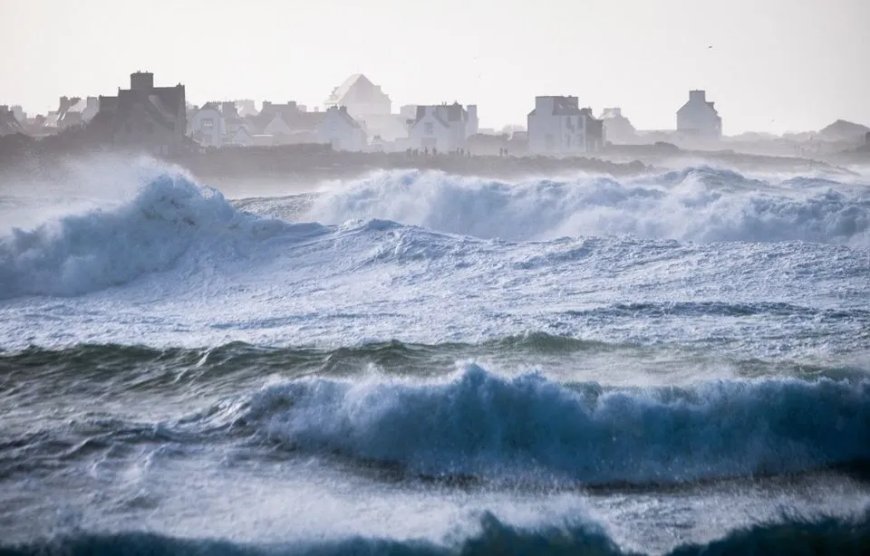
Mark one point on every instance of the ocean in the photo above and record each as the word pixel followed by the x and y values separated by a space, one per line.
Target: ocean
pixel 414 362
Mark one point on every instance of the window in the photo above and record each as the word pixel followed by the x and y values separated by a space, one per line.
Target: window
pixel 429 128
pixel 207 123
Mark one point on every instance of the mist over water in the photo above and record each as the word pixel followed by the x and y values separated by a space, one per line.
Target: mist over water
pixel 417 362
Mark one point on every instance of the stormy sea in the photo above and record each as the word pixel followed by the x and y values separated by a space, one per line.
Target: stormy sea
pixel 414 362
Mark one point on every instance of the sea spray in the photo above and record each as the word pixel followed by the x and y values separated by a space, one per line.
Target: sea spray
pixel 696 204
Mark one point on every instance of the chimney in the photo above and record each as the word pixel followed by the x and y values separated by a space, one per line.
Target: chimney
pixel 142 81
pixel 228 109
pixel 698 96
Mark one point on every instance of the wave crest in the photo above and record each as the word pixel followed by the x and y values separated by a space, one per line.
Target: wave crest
pixel 792 536
pixel 481 424
pixel 695 204
pixel 85 252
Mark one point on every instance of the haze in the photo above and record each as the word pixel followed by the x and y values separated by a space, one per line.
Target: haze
pixel 776 65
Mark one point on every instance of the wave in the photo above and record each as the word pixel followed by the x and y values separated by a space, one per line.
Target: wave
pixel 479 424
pixel 791 536
pixel 80 253
pixel 154 368
pixel 696 204
pixel 173 222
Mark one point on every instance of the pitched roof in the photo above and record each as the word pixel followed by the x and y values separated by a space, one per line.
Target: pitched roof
pixel 356 83
pixel 8 123
pixel 562 106
pixel 341 113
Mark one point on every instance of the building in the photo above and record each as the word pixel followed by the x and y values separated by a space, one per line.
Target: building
pixel 283 124
pixel 9 124
pixel 292 124
pixel 617 128
pixel 20 114
pixel 698 117
pixel 145 116
pixel 443 128
pixel 339 130
pixel 207 126
pixel 220 123
pixel 558 126
pixel 76 111
pixel 361 97
pixel 369 106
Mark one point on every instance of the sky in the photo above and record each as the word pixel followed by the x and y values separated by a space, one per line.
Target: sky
pixel 770 65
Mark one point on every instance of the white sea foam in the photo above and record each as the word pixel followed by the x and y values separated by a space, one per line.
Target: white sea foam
pixel 100 247
pixel 696 204
pixel 171 255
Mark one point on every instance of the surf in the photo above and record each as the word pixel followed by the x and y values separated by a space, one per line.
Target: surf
pixel 478 423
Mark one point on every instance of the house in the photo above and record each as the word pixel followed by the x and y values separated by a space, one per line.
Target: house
pixel 698 117
pixel 617 128
pixel 339 130
pixel 219 123
pixel 20 114
pixel 443 128
pixel 369 106
pixel 361 97
pixel 559 126
pixel 76 111
pixel 145 116
pixel 240 137
pixel 9 124
pixel 207 125
pixel 283 124
pixel 291 124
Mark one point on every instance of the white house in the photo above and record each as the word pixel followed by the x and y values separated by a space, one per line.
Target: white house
pixel 220 123
pixel 370 107
pixel 559 126
pixel 698 117
pixel 617 127
pixel 361 97
pixel 207 126
pixel 340 130
pixel 444 127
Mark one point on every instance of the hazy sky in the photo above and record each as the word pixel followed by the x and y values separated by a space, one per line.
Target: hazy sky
pixel 768 64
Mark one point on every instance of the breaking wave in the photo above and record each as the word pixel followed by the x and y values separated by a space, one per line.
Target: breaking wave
pixel 173 219
pixel 696 204
pixel 483 425
pixel 792 536
pixel 85 252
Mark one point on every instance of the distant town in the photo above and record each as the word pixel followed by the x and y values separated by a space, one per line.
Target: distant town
pixel 359 117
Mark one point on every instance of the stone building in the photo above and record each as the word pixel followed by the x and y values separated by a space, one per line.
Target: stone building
pixel 145 116
pixel 699 118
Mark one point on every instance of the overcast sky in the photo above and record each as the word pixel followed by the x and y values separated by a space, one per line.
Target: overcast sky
pixel 770 65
